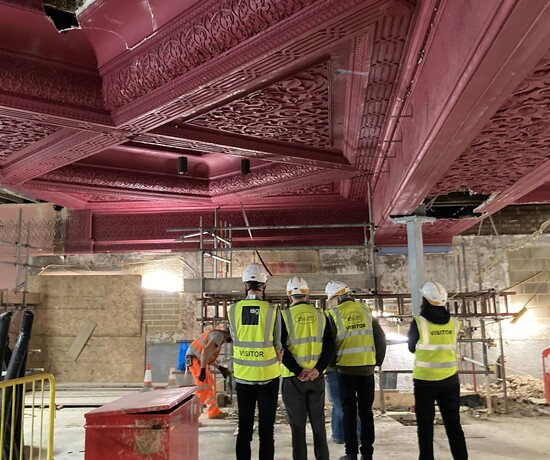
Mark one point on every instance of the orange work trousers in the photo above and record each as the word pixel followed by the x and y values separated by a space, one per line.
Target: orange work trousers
pixel 206 391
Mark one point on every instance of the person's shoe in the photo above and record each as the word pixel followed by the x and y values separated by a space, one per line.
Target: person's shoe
pixel 338 441
pixel 221 415
pixel 349 457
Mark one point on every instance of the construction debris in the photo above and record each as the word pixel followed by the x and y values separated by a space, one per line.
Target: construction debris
pixel 522 391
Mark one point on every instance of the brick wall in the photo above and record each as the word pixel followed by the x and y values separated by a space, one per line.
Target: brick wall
pixel 513 220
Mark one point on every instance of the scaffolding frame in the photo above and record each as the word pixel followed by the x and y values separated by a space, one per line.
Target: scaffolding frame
pixel 470 307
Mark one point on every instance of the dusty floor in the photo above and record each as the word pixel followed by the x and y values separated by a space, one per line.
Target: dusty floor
pixel 499 437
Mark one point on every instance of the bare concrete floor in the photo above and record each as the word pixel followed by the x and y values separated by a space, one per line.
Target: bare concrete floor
pixel 497 438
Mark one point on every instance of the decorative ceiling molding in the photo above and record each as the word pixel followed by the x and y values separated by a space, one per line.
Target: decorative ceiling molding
pixel 16 135
pixel 111 228
pixel 118 182
pixel 384 67
pixel 295 109
pixel 472 79
pixel 518 136
pixel 190 42
pixel 50 82
pixel 301 38
pixel 205 140
pixel 72 146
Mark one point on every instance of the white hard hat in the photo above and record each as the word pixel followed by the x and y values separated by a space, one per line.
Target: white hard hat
pixel 434 293
pixel 297 286
pixel 335 288
pixel 255 272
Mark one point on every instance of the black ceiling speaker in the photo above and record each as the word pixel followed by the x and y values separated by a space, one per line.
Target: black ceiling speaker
pixel 245 166
pixel 182 165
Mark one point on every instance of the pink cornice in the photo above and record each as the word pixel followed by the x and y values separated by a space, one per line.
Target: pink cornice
pixel 49 82
pixel 118 181
pixel 16 135
pixel 73 146
pixel 318 26
pixel 188 43
pixel 203 140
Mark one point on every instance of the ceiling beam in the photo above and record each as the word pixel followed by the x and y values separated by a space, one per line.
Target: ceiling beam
pixel 189 137
pixel 464 83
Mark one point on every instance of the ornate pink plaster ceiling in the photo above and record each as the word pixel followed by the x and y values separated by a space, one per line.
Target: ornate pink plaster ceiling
pixel 324 97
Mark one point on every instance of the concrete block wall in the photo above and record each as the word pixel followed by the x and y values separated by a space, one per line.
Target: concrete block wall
pixel 476 261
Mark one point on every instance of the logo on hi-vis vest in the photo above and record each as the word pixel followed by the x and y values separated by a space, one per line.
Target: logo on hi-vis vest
pixel 442 332
pixel 355 320
pixel 251 315
pixel 305 318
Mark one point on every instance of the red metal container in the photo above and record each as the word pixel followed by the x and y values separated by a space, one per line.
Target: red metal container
pixel 546 373
pixel 154 425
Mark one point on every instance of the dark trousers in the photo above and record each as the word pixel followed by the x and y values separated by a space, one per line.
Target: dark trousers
pixel 303 399
pixel 447 395
pixel 266 396
pixel 357 392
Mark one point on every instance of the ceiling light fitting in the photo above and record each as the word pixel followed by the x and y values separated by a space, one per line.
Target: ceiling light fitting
pixel 182 165
pixel 245 166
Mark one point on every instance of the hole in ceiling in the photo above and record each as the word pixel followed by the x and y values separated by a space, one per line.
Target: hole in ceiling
pixel 456 205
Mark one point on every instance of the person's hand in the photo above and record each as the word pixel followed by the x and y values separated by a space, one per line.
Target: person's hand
pixel 312 374
pixel 202 375
pixel 280 354
pixel 303 375
pixel 224 370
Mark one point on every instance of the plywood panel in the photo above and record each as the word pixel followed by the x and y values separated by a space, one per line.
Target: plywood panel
pixel 112 302
pixel 115 351
pixel 103 359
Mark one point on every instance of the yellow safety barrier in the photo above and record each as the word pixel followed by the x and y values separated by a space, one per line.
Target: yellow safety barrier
pixel 27 418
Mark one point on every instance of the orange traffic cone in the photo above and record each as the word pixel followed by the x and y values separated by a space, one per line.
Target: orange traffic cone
pixel 172 383
pixel 147 379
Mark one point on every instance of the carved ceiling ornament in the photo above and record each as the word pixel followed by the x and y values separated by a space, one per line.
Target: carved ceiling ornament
pixel 191 42
pixel 322 189
pixel 50 82
pixel 152 226
pixel 275 173
pixel 295 109
pixel 41 233
pixel 387 53
pixel 513 143
pixel 122 181
pixel 17 134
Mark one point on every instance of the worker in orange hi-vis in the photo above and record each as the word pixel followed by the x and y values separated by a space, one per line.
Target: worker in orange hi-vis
pixel 202 354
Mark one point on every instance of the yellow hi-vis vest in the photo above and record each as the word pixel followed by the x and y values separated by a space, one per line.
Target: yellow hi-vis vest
pixel 252 324
pixel 354 335
pixel 305 326
pixel 435 355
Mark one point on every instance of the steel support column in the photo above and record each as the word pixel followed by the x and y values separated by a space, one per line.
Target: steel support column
pixel 416 255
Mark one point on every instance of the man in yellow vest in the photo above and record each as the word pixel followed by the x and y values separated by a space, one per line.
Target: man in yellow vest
pixel 256 331
pixel 433 340
pixel 308 348
pixel 202 354
pixel 360 346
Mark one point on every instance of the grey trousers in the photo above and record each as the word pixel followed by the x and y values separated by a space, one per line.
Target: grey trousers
pixel 303 399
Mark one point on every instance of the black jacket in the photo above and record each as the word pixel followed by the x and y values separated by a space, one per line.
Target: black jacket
pixel 436 315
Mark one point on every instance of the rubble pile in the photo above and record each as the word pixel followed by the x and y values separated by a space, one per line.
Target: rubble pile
pixel 523 393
